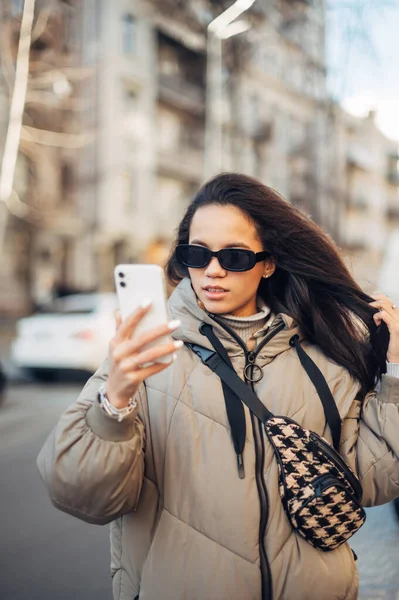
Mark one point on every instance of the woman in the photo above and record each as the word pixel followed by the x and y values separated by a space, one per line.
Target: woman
pixel 185 521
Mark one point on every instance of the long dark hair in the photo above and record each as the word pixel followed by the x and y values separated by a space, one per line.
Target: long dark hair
pixel 311 282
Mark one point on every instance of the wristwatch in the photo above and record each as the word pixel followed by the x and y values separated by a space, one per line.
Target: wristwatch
pixel 115 413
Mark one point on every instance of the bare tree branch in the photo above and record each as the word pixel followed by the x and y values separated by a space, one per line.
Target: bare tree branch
pixel 60 140
pixel 10 154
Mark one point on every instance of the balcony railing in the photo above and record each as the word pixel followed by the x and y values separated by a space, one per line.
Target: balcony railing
pixel 184 162
pixel 360 157
pixel 181 93
pixel 393 176
pixel 393 213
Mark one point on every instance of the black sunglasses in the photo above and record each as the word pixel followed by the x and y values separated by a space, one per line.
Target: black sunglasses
pixel 231 259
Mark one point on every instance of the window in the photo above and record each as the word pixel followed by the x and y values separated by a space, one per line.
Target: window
pixel 168 60
pixel 129 100
pixel 128 182
pixel 129 34
pixel 66 179
pixel 253 113
pixel 83 304
pixel 71 31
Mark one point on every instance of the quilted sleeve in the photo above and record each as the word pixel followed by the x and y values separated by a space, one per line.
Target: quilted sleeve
pixel 92 465
pixel 370 442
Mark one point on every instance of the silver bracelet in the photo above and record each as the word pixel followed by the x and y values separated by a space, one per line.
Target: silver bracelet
pixel 115 413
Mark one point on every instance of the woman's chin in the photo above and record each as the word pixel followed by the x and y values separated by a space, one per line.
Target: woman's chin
pixel 216 307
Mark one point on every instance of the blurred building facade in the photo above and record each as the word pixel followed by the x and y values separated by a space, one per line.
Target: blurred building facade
pixel 122 91
pixel 46 216
pixel 368 172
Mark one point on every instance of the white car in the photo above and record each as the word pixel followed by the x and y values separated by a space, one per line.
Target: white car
pixel 72 332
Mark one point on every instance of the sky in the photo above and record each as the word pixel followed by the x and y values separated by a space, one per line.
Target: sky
pixel 363 58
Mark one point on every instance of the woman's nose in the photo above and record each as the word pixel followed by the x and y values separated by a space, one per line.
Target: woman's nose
pixel 215 269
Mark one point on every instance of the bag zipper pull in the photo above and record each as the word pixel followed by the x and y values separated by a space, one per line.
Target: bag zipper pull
pixel 240 465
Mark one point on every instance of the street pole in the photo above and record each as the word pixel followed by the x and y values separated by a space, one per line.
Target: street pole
pixel 218 30
pixel 214 106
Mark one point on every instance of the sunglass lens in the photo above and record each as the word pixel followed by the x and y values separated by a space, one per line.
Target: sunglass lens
pixel 193 256
pixel 235 260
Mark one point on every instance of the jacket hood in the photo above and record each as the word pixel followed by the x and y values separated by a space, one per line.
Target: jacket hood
pixel 184 305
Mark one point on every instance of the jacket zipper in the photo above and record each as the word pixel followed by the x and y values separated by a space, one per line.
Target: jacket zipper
pixel 257 429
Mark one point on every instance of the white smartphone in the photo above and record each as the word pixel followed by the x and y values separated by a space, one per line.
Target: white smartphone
pixel 137 283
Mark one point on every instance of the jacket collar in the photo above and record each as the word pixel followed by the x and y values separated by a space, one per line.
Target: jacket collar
pixel 183 305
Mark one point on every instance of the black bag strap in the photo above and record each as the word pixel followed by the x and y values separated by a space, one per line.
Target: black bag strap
pixel 230 377
pixel 327 399
pixel 234 407
pixel 245 393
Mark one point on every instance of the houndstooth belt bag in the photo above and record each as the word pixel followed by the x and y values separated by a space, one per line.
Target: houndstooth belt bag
pixel 320 493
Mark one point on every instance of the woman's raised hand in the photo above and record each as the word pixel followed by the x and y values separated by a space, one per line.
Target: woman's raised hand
pixel 127 355
pixel 389 313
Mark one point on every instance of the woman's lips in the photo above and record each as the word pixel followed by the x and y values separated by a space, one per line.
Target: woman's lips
pixel 215 293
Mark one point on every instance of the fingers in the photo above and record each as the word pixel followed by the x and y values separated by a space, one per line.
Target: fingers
pixel 127 326
pixel 132 363
pixel 382 302
pixel 118 319
pixel 129 347
pixel 382 298
pixel 136 377
pixel 388 318
pixel 387 313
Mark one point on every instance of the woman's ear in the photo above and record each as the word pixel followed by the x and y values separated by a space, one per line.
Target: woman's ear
pixel 269 268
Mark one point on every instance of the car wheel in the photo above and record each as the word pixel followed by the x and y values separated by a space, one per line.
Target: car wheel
pixel 3 385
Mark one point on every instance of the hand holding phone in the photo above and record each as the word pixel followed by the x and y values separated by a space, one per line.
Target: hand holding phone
pixel 137 285
pixel 142 345
pixel 132 361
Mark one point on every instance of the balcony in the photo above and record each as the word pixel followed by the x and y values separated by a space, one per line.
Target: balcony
pixel 184 162
pixel 393 213
pixel 393 177
pixel 358 203
pixel 359 157
pixel 182 94
pixel 393 168
pixel 261 131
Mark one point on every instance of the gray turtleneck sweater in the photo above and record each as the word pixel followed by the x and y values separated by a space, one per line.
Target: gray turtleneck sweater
pixel 249 327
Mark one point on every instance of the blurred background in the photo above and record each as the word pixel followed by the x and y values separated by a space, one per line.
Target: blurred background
pixel 112 114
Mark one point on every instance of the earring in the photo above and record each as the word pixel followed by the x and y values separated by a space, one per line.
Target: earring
pixel 265 275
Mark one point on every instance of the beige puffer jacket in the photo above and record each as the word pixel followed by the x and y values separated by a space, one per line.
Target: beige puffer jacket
pixel 183 524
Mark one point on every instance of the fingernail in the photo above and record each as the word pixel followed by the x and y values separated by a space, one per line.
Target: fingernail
pixel 178 344
pixel 146 303
pixel 174 356
pixel 174 325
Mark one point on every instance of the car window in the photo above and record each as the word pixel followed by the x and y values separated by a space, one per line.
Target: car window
pixel 70 305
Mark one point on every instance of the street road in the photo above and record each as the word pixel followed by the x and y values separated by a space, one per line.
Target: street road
pixel 45 554
pixel 377 546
